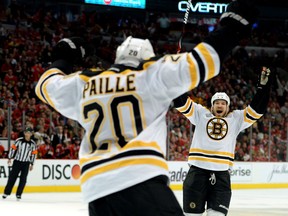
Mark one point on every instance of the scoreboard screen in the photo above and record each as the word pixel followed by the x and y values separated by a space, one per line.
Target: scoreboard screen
pixel 139 4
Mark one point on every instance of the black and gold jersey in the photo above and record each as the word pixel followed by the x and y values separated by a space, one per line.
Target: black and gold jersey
pixel 214 138
pixel 123 113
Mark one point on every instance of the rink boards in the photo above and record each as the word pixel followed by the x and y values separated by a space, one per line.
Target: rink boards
pixel 63 175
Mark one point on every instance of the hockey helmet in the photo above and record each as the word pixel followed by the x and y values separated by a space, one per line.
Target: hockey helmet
pixel 132 51
pixel 220 96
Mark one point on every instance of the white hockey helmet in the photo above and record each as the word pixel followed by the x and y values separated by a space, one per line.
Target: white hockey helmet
pixel 132 51
pixel 220 96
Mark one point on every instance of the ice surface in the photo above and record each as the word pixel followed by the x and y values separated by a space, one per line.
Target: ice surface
pixel 258 202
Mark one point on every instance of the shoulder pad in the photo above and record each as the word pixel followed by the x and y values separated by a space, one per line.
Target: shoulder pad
pixel 153 59
pixel 91 72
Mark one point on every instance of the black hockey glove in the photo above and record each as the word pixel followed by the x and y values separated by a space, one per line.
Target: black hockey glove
pixel 68 52
pixel 72 50
pixel 240 15
pixel 235 24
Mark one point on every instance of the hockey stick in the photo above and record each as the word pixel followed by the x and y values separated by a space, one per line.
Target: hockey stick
pixel 185 20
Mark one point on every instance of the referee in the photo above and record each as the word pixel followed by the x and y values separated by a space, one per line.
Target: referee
pixel 24 152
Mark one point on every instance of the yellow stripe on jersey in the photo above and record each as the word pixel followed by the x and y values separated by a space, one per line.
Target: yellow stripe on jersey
pixel 46 95
pixel 50 72
pixel 188 109
pixel 195 77
pixel 38 93
pixel 135 144
pixel 148 64
pixel 141 144
pixel 186 105
pixel 86 78
pixel 218 153
pixel 209 60
pixel 43 77
pixel 212 160
pixel 190 113
pixel 43 82
pixel 253 113
pixel 123 163
pixel 246 119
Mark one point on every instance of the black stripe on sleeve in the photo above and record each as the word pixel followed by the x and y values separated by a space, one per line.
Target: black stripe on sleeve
pixel 181 100
pixel 200 65
pixel 250 117
pixel 188 110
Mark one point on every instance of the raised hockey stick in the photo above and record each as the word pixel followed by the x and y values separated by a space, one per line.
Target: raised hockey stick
pixel 185 20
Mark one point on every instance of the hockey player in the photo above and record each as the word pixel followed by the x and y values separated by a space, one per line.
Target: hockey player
pixel 211 154
pixel 122 109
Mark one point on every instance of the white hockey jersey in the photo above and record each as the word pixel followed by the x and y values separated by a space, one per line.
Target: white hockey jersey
pixel 214 138
pixel 123 112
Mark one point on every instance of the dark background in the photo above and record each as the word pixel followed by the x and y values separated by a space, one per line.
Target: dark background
pixel 268 8
pixel 273 12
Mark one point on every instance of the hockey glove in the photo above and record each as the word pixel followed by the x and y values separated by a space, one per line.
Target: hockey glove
pixel 265 78
pixel 261 99
pixel 235 25
pixel 72 50
pixel 240 16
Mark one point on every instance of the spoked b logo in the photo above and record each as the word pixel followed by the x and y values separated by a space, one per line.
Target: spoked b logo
pixel 217 128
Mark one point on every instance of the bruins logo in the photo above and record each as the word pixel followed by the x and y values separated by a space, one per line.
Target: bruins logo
pixel 217 128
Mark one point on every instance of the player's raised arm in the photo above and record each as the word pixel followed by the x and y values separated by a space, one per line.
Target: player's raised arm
pixel 235 24
pixel 204 61
pixel 182 100
pixel 54 83
pixel 261 98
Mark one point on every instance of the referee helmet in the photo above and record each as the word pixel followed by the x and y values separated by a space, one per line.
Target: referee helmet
pixel 29 129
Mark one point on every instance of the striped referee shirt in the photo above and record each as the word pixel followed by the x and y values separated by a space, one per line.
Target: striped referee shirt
pixel 23 150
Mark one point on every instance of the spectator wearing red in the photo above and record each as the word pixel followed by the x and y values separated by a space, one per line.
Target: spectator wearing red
pixel 2 151
pixel 37 70
pixel 60 151
pixel 45 150
pixel 5 67
pixel 10 78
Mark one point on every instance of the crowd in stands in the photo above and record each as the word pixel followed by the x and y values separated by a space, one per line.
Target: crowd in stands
pixel 26 42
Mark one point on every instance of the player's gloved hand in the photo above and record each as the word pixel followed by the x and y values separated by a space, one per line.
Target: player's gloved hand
pixel 70 49
pixel 265 77
pixel 240 15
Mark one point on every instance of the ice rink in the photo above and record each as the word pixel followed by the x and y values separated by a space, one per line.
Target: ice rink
pixel 272 202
